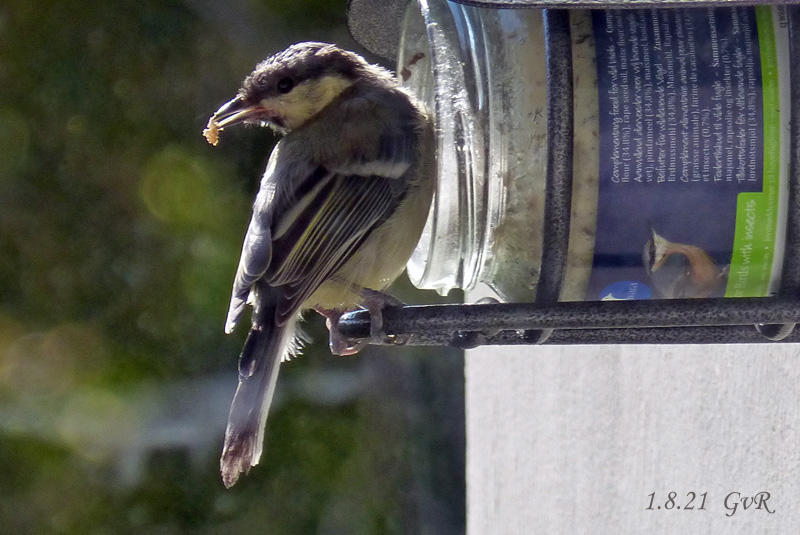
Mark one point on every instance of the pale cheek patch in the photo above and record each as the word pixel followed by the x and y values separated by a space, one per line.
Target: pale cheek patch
pixel 306 99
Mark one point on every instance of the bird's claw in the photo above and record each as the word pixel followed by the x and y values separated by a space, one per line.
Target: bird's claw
pixel 374 302
pixel 340 345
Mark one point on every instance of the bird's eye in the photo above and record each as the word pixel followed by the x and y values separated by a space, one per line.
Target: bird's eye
pixel 285 85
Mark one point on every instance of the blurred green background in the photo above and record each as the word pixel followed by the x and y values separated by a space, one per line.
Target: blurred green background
pixel 120 230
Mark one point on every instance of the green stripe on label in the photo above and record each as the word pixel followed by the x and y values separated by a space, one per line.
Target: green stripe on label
pixel 756 213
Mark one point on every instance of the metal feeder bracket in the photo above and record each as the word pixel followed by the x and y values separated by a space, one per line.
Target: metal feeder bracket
pixel 669 321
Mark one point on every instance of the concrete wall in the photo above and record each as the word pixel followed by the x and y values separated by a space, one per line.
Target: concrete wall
pixel 567 440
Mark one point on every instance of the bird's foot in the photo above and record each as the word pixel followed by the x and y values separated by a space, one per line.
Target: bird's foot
pixel 340 345
pixel 376 302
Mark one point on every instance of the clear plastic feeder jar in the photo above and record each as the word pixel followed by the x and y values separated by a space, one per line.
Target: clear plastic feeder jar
pixel 680 150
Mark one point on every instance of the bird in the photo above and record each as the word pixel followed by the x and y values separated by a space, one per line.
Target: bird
pixel 340 207
pixel 682 270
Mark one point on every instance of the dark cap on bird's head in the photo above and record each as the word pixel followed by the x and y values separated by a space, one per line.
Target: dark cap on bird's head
pixel 298 63
pixel 290 87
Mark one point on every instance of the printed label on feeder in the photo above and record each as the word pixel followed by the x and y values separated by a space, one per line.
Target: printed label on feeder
pixel 692 151
pixel 624 290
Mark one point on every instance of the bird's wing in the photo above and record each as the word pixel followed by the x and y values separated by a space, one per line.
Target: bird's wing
pixel 351 206
pixel 306 223
pixel 257 246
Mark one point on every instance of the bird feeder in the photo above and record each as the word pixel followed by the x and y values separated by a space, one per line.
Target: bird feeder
pixel 608 171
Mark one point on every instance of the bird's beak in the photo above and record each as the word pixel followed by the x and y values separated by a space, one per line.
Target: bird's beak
pixel 235 111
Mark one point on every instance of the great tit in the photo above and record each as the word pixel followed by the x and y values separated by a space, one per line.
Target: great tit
pixel 340 208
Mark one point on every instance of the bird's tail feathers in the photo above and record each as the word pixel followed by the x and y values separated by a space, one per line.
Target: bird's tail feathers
pixel 266 346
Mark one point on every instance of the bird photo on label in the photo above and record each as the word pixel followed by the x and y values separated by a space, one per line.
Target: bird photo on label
pixel 681 270
pixel 340 208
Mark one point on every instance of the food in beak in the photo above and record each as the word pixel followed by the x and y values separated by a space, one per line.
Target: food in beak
pixel 211 131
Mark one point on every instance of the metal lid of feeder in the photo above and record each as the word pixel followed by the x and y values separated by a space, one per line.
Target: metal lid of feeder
pixel 375 24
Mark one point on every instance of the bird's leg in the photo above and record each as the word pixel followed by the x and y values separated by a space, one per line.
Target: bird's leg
pixel 339 344
pixel 375 302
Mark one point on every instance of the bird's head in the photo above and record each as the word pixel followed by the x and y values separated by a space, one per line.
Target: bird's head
pixel 289 88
